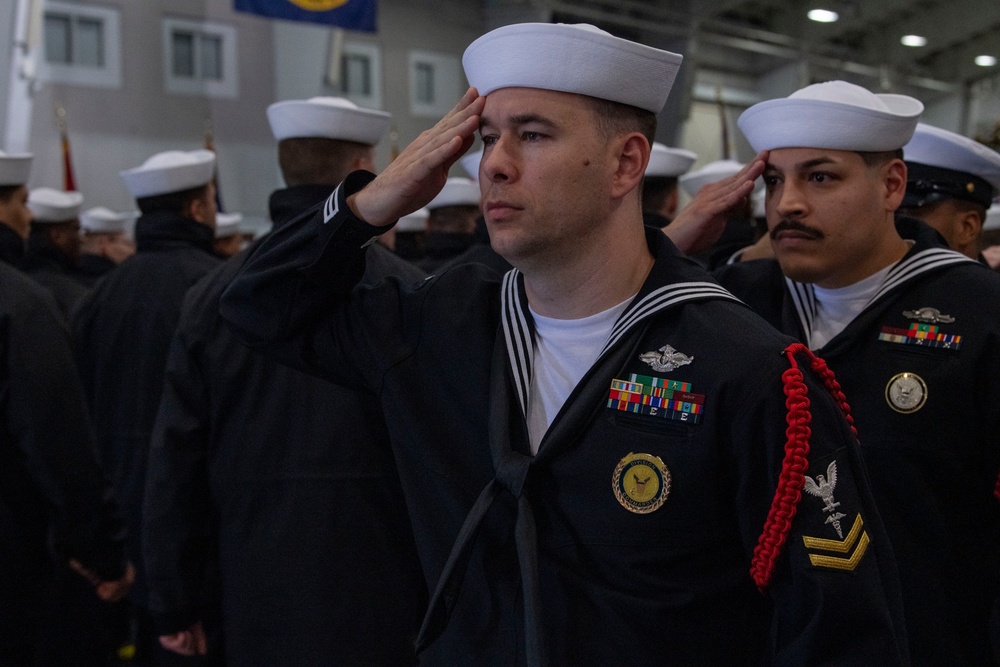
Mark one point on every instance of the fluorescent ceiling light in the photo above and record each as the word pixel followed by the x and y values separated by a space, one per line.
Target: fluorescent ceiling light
pixel 986 61
pixel 913 40
pixel 823 15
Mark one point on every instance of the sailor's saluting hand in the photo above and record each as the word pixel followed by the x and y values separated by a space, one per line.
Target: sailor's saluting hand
pixel 418 174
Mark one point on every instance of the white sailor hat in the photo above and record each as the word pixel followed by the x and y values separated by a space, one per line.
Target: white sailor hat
pixel 470 163
pixel 50 205
pixel 992 219
pixel 14 169
pixel 329 118
pixel 835 115
pixel 666 161
pixel 414 222
pixel 170 171
pixel 457 191
pixel 100 220
pixel 945 165
pixel 694 181
pixel 571 58
pixel 228 224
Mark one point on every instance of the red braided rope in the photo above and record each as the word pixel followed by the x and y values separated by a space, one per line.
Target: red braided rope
pixel 795 463
pixel 830 381
pixel 792 477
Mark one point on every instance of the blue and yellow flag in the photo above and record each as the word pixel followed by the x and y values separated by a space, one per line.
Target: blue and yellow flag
pixel 349 14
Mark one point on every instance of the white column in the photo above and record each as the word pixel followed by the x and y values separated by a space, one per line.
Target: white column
pixel 25 46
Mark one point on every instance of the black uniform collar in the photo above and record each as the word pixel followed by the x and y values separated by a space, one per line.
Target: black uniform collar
pixel 12 246
pixel 673 280
pixel 166 230
pixel 929 253
pixel 289 203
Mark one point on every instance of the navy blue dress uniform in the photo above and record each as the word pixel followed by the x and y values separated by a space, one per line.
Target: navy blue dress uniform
pixel 630 537
pixel 55 503
pixel 917 357
pixel 293 478
pixel 919 367
pixel 124 327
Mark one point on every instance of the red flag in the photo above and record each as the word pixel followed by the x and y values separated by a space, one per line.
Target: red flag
pixel 69 181
pixel 210 146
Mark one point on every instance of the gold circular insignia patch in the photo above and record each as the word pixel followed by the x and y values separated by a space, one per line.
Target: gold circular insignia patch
pixel 641 483
pixel 318 5
pixel 906 393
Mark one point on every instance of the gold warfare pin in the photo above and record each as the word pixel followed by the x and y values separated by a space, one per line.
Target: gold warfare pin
pixel 906 393
pixel 641 483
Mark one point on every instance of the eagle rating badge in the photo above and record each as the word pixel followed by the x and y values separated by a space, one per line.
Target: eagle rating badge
pixel 906 392
pixel 641 483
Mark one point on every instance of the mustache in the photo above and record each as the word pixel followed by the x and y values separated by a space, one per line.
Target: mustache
pixel 791 225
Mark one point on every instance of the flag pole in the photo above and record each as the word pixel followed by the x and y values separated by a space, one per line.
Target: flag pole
pixel 210 145
pixel 69 180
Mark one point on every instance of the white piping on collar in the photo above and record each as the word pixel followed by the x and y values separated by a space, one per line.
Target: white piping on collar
pixel 520 340
pixel 908 268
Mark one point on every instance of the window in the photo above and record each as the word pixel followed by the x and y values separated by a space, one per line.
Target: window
pixel 358 76
pixel 200 58
pixel 82 45
pixel 434 83
pixel 423 83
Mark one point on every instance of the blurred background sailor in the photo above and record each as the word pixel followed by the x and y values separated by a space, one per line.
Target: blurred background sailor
pixel 451 222
pixel 123 329
pixel 228 234
pixel 951 182
pixel 659 187
pixel 106 240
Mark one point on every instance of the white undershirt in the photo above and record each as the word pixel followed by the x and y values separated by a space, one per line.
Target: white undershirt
pixel 836 308
pixel 564 351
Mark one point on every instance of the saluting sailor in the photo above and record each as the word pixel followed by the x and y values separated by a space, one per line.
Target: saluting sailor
pixel 740 230
pixel 572 503
pixel 912 330
pixel 659 186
